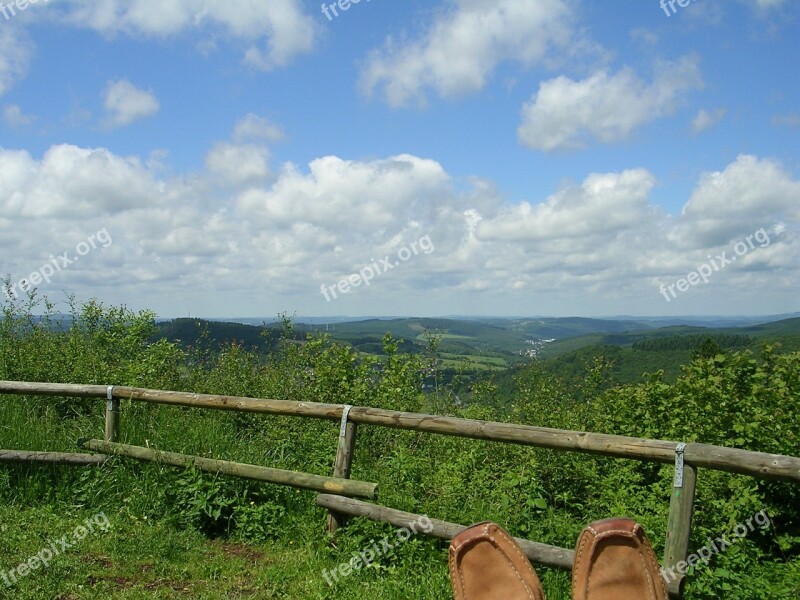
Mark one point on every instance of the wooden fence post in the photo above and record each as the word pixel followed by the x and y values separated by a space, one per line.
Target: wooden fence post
pixel 112 416
pixel 679 525
pixel 343 463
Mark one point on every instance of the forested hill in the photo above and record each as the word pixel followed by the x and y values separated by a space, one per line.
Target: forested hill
pixel 480 347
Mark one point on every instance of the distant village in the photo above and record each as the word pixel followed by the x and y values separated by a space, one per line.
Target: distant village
pixel 537 347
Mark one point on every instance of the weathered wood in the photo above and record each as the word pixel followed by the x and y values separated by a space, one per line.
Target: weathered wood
pixel 545 554
pixel 237 403
pixel 758 464
pixel 341 468
pixel 679 529
pixel 59 458
pixel 112 420
pixel 744 462
pixel 318 483
pixel 53 389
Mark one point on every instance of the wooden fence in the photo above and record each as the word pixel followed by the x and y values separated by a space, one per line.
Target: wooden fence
pixel 687 457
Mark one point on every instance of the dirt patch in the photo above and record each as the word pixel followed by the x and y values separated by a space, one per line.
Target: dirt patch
pixel 99 561
pixel 175 586
pixel 240 551
pixel 126 583
pixel 120 582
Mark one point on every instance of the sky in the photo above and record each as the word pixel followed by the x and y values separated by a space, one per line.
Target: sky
pixel 385 157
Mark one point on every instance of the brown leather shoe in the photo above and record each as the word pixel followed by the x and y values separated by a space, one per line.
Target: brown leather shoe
pixel 615 561
pixel 487 564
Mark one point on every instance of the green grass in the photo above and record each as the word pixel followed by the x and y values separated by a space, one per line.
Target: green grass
pixel 141 559
pixel 450 359
pixel 138 558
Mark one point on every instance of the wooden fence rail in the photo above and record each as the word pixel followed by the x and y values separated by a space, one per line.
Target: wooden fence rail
pixel 545 554
pixel 58 458
pixel 734 460
pixel 687 457
pixel 320 483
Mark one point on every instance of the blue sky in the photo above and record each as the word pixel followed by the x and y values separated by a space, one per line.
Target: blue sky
pixel 519 157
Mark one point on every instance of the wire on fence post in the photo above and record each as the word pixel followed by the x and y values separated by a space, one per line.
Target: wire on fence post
pixel 344 461
pixel 679 525
pixel 112 416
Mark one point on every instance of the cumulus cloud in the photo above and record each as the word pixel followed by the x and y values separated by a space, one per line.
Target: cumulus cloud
pixel 274 32
pixel 464 45
pixel 361 196
pixel 706 120
pixel 607 107
pixel 239 163
pixel 749 190
pixel 73 182
pixel 253 127
pixel 603 204
pixel 281 238
pixel 125 103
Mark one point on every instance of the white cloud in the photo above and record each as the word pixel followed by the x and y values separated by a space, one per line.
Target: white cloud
pixel 603 204
pixel 749 190
pixel 73 183
pixel 291 33
pixel 269 245
pixel 359 196
pixel 14 117
pixel 15 54
pixel 463 47
pixel 565 113
pixel 706 120
pixel 275 32
pixel 125 103
pixel 252 127
pixel 239 164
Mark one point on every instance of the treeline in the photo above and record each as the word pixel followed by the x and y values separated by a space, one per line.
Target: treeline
pixel 690 342
pixel 193 333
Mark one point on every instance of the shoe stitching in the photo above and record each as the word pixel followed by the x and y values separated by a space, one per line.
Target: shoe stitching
pixel 510 563
pixel 453 566
pixel 650 587
pixel 581 546
pixel 646 561
pixel 515 547
pixel 455 548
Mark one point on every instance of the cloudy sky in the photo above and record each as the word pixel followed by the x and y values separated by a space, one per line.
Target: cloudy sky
pixel 512 157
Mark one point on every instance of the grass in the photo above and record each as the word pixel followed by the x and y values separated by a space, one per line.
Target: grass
pixel 138 558
pixel 450 360
pixel 146 554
